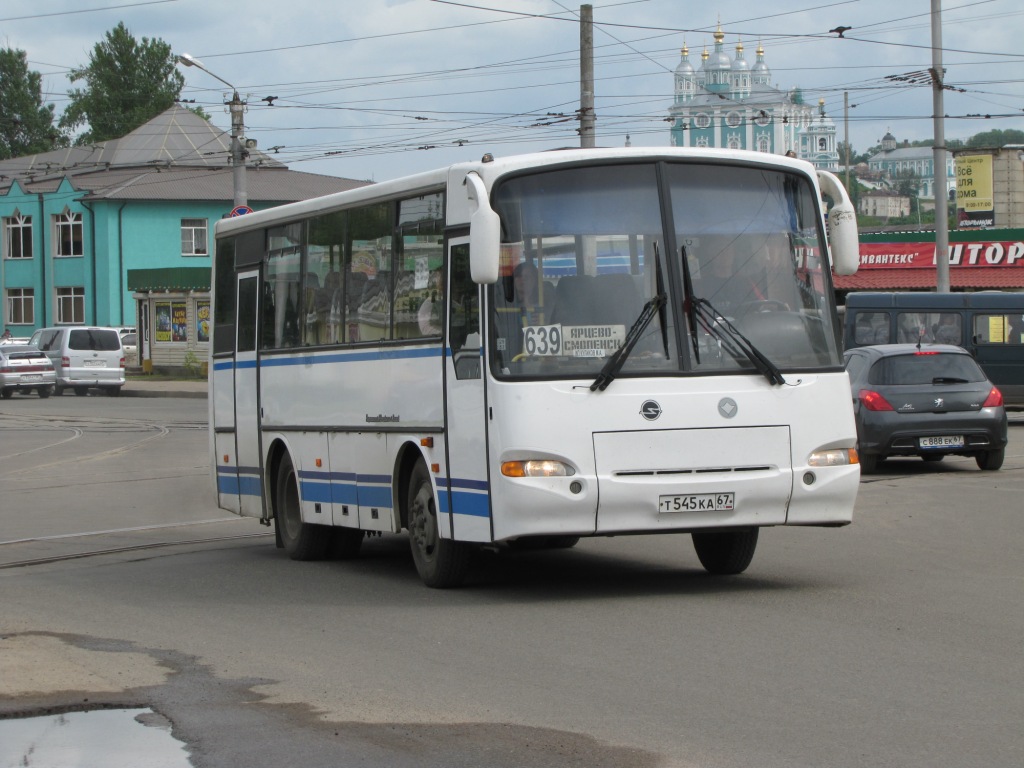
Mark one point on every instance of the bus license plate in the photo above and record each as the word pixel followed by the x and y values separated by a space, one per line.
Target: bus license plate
pixel 943 441
pixel 697 502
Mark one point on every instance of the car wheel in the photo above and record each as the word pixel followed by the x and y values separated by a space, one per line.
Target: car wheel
pixel 58 390
pixel 990 460
pixel 869 463
pixel 726 553
pixel 8 394
pixel 81 391
pixel 45 391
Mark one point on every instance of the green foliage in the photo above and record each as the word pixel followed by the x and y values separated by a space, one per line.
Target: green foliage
pixel 996 138
pixel 192 365
pixel 127 82
pixel 26 124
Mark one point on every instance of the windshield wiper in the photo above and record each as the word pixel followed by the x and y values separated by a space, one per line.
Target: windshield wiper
pixel 688 305
pixel 734 342
pixel 618 359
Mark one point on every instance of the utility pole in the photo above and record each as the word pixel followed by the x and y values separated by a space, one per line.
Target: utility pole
pixel 237 108
pixel 939 156
pixel 846 130
pixel 587 76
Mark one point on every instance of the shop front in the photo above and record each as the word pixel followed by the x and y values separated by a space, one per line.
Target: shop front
pixel 174 320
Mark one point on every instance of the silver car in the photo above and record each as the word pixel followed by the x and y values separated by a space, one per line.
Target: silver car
pixel 24 368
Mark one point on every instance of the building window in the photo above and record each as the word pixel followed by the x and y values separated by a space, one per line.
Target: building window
pixel 193 237
pixel 70 306
pixel 171 321
pixel 21 306
pixel 703 120
pixel 68 234
pixel 733 119
pixel 763 144
pixel 18 237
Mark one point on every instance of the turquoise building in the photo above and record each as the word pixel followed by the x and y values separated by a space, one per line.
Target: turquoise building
pixel 730 103
pixel 107 234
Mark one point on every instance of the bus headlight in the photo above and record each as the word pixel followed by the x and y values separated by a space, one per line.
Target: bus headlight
pixel 536 468
pixel 835 457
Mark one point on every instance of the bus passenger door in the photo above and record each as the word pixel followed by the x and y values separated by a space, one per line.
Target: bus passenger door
pixel 248 450
pixel 463 492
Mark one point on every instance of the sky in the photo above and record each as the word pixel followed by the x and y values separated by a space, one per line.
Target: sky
pixel 379 89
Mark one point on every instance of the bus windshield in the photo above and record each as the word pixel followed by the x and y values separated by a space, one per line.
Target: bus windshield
pixel 589 251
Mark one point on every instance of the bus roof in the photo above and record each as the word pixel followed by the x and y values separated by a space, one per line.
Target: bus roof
pixel 491 169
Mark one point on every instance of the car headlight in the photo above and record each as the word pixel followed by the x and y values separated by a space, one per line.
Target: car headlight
pixel 835 457
pixel 536 468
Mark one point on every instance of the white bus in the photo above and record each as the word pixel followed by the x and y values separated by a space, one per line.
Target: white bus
pixel 530 350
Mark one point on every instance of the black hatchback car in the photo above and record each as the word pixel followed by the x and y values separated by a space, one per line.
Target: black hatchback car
pixel 929 401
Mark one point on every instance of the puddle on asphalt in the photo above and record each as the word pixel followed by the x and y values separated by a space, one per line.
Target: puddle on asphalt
pixel 102 738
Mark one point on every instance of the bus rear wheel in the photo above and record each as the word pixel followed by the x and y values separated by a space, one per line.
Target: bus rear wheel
pixel 440 562
pixel 726 553
pixel 302 541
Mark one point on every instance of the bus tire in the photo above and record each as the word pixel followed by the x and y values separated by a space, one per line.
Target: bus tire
pixel 990 461
pixel 440 562
pixel 726 553
pixel 302 541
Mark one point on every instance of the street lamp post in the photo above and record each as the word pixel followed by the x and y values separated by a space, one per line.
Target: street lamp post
pixel 237 107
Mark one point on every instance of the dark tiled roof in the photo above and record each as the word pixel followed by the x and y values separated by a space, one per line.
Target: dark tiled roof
pixel 900 279
pixel 175 156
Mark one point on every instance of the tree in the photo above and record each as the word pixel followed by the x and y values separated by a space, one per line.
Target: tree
pixel 26 125
pixel 996 138
pixel 127 83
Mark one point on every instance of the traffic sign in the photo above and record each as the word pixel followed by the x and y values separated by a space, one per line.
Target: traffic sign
pixel 240 210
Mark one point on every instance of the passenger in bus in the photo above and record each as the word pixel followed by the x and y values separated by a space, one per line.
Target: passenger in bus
pixel 724 279
pixel 527 294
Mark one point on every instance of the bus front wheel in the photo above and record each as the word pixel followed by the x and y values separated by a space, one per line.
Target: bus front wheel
pixel 726 553
pixel 439 562
pixel 302 541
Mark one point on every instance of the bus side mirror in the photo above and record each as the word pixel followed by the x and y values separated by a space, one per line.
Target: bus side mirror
pixel 844 244
pixel 484 233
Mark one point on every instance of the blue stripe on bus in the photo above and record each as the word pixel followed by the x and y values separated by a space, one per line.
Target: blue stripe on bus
pixel 316 492
pixel 359 490
pixel 472 504
pixel 335 357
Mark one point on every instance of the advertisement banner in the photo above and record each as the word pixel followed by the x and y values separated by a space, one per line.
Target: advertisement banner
pixel 987 253
pixel 163 321
pixel 975 203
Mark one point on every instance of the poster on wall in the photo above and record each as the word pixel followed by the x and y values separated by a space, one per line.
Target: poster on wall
pixel 202 321
pixel 162 311
pixel 975 203
pixel 179 321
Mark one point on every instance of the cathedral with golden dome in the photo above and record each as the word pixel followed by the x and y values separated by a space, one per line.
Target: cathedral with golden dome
pixel 730 103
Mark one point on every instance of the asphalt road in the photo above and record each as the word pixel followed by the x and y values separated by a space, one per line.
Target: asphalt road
pixel 893 642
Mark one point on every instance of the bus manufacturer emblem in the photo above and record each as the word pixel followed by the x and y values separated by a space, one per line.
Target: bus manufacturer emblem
pixel 650 410
pixel 727 407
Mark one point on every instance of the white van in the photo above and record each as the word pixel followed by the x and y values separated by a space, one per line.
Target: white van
pixel 83 357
